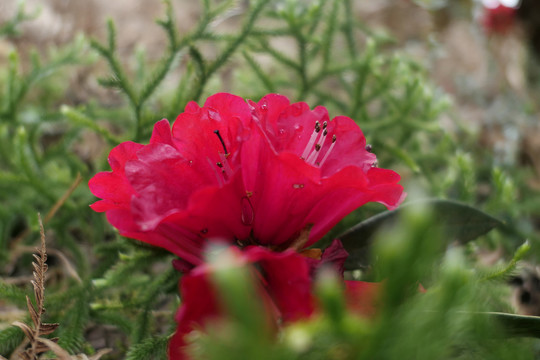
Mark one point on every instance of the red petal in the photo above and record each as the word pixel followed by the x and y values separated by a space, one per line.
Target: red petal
pixel 350 147
pixel 287 281
pixel 175 239
pixel 194 131
pixel 229 107
pixel 162 133
pixel 334 255
pixel 284 280
pixel 113 186
pixel 164 181
pixel 199 305
pixel 215 212
pixel 362 296
pixel 346 191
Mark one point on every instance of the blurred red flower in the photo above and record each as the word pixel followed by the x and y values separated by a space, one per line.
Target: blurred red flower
pixel 499 19
pixel 283 284
pixel 283 281
pixel 244 172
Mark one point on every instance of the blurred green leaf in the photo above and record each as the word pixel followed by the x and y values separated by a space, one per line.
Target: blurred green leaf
pixel 454 220
pixel 517 325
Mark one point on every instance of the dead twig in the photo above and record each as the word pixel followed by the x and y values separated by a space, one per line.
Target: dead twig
pixel 34 333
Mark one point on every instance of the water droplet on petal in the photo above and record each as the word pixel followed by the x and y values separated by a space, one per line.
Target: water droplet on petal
pixel 248 214
pixel 297 126
pixel 298 186
pixel 213 115
pixel 296 109
pixel 204 231
pixel 281 131
pixel 264 106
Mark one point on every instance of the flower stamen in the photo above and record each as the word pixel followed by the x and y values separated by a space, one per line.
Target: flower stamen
pixel 329 150
pixel 312 140
pixel 320 142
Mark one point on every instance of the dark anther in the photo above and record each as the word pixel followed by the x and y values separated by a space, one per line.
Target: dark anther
pixel 324 125
pixel 317 147
pixel 334 139
pixel 317 126
pixel 221 139
pixel 325 132
pixel 219 164
pixel 368 147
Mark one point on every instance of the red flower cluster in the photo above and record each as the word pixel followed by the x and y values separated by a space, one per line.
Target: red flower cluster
pixel 499 19
pixel 270 178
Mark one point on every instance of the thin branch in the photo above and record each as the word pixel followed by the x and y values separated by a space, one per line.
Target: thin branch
pixel 52 211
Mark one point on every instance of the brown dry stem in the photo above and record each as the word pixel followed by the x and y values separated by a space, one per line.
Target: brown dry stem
pixel 34 333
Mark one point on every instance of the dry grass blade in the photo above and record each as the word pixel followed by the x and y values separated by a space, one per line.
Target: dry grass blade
pixel 42 347
pixel 28 331
pixel 99 354
pixel 96 356
pixel 38 344
pixel 34 314
pixel 55 348
pixel 46 329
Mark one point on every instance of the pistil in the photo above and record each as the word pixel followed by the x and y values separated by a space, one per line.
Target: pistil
pixel 223 165
pixel 222 142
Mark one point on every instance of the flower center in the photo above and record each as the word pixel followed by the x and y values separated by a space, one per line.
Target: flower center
pixel 316 144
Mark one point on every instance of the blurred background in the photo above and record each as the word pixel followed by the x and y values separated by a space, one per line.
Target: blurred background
pixel 483 54
pixel 446 91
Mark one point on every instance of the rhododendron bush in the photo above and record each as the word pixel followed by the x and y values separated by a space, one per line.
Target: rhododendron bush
pixel 257 180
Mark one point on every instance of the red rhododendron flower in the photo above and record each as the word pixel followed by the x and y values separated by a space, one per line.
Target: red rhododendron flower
pixel 283 281
pixel 499 19
pixel 284 286
pixel 272 174
pixel 250 173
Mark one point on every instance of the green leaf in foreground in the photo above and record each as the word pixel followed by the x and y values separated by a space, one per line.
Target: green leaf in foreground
pixel 453 220
pixel 516 325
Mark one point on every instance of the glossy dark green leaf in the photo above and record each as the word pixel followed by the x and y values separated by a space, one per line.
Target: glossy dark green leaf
pixel 454 221
pixel 517 325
